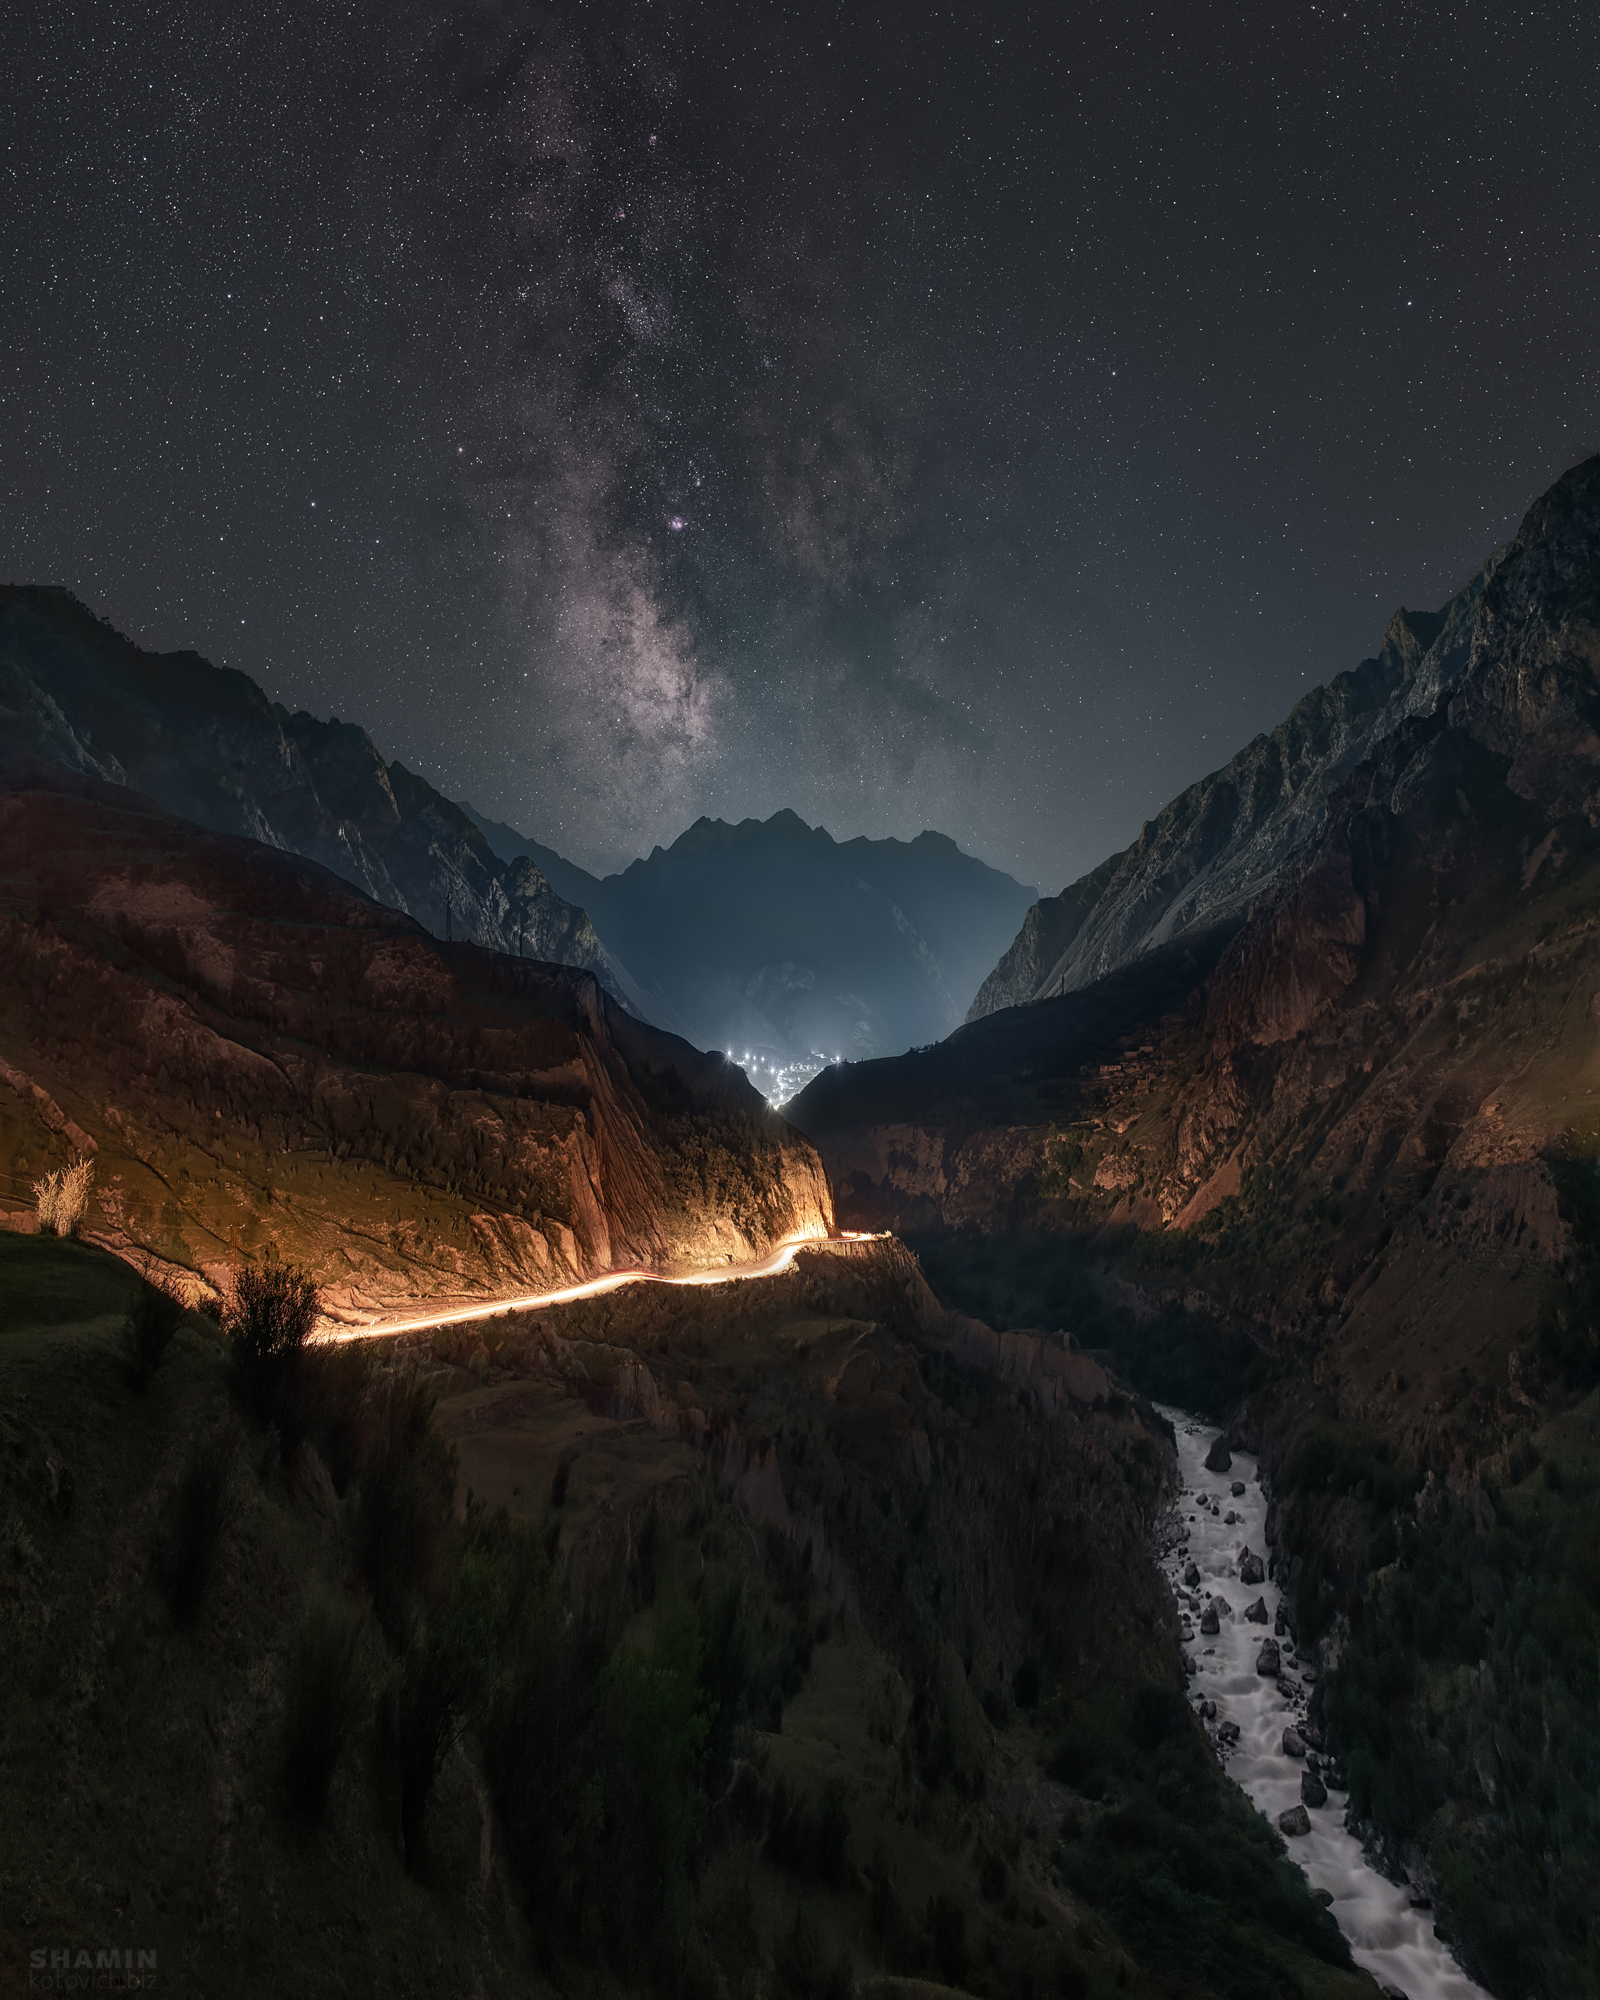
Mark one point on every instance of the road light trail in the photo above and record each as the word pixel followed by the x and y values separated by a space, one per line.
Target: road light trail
pixel 769 1267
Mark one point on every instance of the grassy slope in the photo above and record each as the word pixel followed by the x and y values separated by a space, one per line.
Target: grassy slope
pixel 872 1800
pixel 145 1755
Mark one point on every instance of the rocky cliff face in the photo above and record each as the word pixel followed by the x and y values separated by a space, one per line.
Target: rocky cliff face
pixel 1206 857
pixel 266 1063
pixel 1379 1083
pixel 1356 1171
pixel 206 743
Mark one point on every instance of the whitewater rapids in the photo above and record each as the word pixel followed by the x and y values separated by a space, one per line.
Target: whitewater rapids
pixel 1388 1937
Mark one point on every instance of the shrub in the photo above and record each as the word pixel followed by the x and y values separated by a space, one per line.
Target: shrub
pixel 63 1198
pixel 595 1757
pixel 196 1513
pixel 654 1725
pixel 267 1323
pixel 810 1838
pixel 406 1481
pixel 726 1664
pixel 947 1931
pixel 322 1699
pixel 803 1970
pixel 438 1677
pixel 334 1393
pixel 154 1316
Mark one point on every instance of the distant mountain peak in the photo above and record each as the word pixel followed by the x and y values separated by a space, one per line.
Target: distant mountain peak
pixel 774 940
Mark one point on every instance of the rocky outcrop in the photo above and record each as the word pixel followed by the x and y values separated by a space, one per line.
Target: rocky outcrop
pixel 270 1064
pixel 206 743
pixel 1205 858
pixel 1368 1098
pixel 1047 935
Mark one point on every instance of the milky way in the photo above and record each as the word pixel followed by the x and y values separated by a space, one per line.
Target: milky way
pixel 972 418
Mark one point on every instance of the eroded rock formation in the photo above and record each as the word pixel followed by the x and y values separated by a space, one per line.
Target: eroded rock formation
pixel 267 1063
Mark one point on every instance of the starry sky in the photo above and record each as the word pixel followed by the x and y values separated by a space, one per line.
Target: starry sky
pixel 977 417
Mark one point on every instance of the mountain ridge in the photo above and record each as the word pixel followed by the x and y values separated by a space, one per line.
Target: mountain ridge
pixel 206 742
pixel 249 1044
pixel 1219 844
pixel 1344 1181
pixel 774 937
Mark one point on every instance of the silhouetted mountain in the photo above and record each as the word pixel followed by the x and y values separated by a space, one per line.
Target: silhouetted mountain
pixel 784 946
pixel 206 743
pixel 1206 857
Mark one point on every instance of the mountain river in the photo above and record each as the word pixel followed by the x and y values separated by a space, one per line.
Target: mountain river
pixel 1221 1521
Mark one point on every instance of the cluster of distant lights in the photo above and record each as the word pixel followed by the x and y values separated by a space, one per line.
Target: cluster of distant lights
pixel 784 1080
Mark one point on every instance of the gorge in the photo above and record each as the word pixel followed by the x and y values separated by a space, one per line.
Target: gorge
pixel 740 1482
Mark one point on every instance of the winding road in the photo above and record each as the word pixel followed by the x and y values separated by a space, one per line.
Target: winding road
pixel 331 1332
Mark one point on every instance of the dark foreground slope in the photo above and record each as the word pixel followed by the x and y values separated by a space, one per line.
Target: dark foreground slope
pixel 1360 1164
pixel 206 743
pixel 771 937
pixel 266 1063
pixel 756 1641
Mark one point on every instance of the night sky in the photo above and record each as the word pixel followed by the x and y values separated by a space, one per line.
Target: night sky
pixel 984 418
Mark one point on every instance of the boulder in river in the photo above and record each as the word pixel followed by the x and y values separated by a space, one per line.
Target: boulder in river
pixel 1251 1569
pixel 1267 1659
pixel 1208 1711
pixel 1227 1732
pixel 1293 1743
pixel 1295 1820
pixel 1257 1614
pixel 1324 1897
pixel 1191 1575
pixel 1218 1458
pixel 1312 1790
pixel 1237 1489
pixel 1209 1623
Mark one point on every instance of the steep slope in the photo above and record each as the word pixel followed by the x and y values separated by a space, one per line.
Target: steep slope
pixel 761 1633
pixel 265 1062
pixel 1205 857
pixel 205 742
pixel 1402 1027
pixel 772 939
pixel 1356 1171
pixel 565 877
